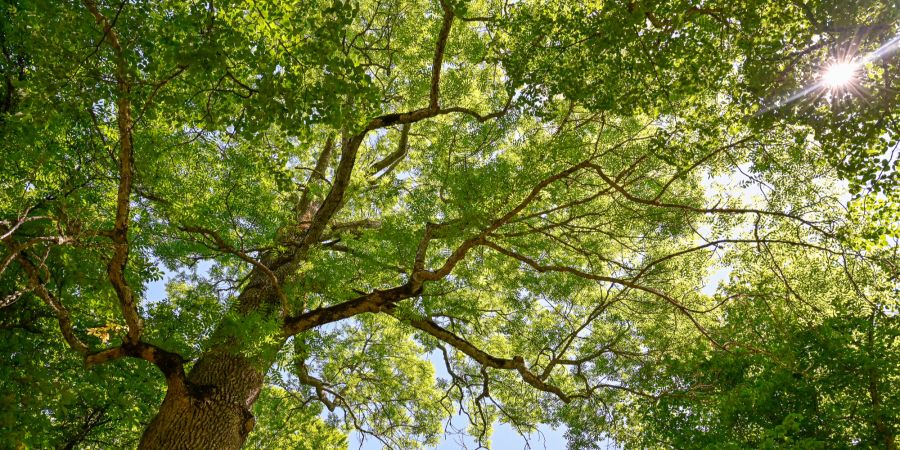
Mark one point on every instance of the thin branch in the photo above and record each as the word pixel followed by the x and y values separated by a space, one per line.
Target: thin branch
pixel 222 245
pixel 715 210
pixel 62 313
pixel 460 252
pixel 687 312
pixel 700 161
pixel 179 69
pixel 516 363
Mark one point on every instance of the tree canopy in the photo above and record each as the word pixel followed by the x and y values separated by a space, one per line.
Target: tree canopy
pixel 655 222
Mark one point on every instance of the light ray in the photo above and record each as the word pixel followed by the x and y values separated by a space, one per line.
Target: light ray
pixel 885 50
pixel 839 75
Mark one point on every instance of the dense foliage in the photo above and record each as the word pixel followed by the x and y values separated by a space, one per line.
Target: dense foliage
pixel 645 221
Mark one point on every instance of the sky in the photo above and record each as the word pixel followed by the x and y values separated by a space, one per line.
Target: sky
pixel 504 438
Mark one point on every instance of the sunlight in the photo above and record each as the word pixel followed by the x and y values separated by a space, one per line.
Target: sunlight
pixel 840 74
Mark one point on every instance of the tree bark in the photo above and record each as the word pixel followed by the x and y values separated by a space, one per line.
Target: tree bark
pixel 210 408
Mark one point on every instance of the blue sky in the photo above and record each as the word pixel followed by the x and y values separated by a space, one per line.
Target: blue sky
pixel 504 438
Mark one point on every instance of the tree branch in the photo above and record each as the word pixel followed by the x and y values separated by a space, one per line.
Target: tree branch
pixel 516 363
pixel 317 384
pixel 460 252
pixel 439 57
pixel 169 363
pixel 116 268
pixel 62 313
pixel 687 312
pixel 304 206
pixel 391 160
pixel 222 245
pixel 372 302
pixel 715 210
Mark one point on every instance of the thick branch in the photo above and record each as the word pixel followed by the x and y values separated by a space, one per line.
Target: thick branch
pixel 116 268
pixel 414 116
pixel 395 157
pixel 169 363
pixel 373 302
pixel 317 384
pixel 377 300
pixel 335 197
pixel 350 147
pixel 439 57
pixel 304 207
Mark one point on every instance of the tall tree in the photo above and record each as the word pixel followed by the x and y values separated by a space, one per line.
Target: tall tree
pixel 531 194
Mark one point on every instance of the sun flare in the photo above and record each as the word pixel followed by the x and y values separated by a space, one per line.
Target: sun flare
pixel 839 75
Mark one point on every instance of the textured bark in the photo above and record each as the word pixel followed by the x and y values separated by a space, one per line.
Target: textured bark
pixel 210 408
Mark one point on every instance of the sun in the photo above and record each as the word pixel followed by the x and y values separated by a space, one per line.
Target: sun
pixel 839 75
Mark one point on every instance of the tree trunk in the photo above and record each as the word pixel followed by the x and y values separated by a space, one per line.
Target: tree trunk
pixel 211 407
pixel 211 410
